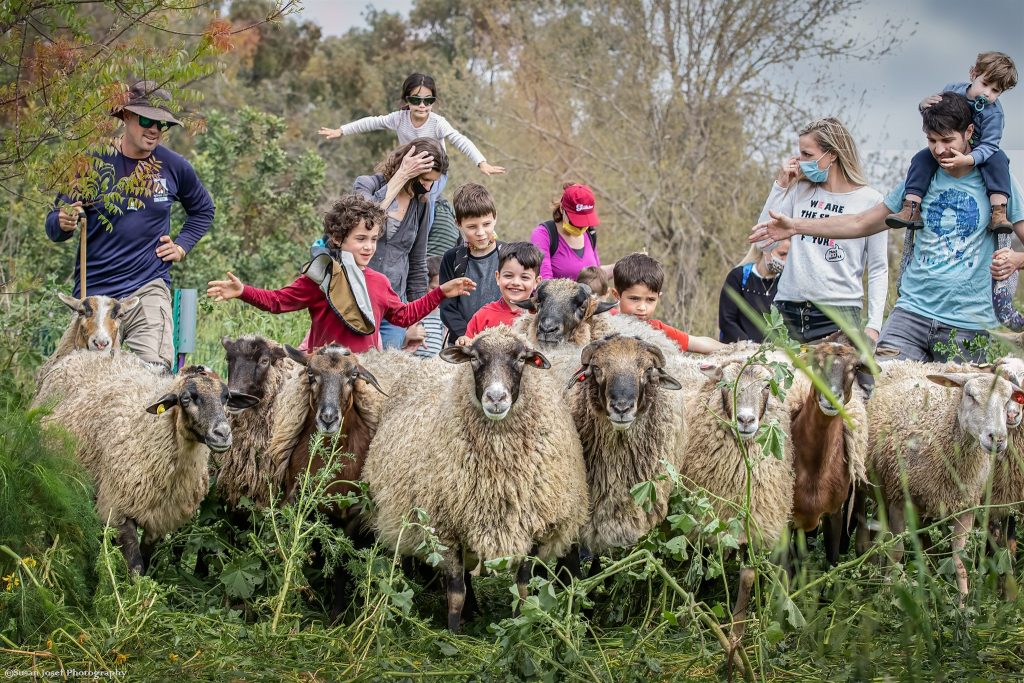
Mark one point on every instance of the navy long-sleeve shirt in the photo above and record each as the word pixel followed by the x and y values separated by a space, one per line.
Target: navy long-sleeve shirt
pixel 123 259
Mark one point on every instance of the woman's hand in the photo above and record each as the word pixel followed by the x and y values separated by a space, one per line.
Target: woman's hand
pixel 460 286
pixel 489 170
pixel 414 164
pixel 330 133
pixel 1005 263
pixel 222 290
pixel 69 215
pixel 788 172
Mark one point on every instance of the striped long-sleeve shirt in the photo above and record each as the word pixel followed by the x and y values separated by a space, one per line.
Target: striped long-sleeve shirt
pixel 400 121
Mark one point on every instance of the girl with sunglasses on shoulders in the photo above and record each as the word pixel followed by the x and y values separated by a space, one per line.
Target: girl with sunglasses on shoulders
pixel 415 120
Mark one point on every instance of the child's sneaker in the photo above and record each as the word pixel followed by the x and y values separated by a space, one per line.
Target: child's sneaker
pixel 999 223
pixel 909 217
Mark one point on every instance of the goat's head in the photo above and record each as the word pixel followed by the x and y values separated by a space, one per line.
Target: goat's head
pixel 200 398
pixel 97 321
pixel 250 359
pixel 560 307
pixel 753 392
pixel 498 357
pixel 332 372
pixel 623 375
pixel 984 405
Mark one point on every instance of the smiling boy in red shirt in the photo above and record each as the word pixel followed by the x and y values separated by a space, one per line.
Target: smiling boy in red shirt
pixel 517 277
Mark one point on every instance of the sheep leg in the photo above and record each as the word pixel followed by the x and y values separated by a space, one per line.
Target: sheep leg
pixel 147 548
pixel 523 575
pixel 128 542
pixel 472 606
pixel 739 614
pixel 897 524
pixel 860 512
pixel 568 568
pixel 456 574
pixel 961 527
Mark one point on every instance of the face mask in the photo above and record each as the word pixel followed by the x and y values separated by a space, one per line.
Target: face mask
pixel 812 172
pixel 417 188
pixel 571 229
pixel 775 265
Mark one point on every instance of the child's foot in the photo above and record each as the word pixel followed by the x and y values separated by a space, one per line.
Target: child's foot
pixel 999 223
pixel 909 217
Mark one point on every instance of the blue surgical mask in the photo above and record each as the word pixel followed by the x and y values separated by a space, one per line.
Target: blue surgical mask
pixel 812 172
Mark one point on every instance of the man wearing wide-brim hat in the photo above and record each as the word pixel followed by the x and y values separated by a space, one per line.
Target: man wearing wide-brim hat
pixel 130 252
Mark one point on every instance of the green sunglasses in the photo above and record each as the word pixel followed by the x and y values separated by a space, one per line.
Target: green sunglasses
pixel 147 122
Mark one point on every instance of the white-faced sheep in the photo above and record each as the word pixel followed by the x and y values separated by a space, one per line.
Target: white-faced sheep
pixel 491 455
pixel 932 443
pixel 145 439
pixel 95 326
pixel 257 367
pixel 629 416
pixel 714 462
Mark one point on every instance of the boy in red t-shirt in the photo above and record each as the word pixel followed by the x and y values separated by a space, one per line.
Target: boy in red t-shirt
pixel 352 225
pixel 638 279
pixel 517 277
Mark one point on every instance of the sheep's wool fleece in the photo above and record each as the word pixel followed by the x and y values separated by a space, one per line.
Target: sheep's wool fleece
pixel 143 466
pixel 855 432
pixel 713 461
pixel 493 488
pixel 618 460
pixel 1008 477
pixel 914 431
pixel 246 468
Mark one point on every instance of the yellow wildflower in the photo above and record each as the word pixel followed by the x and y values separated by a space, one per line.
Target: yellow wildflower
pixel 173 657
pixel 29 562
pixel 11 581
pixel 120 659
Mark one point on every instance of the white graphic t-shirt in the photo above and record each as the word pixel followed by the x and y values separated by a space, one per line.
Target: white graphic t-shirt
pixel 829 271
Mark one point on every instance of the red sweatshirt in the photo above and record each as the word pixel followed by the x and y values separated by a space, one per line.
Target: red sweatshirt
pixel 326 326
pixel 491 315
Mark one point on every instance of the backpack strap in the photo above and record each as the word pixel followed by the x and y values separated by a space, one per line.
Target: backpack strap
pixel 552 237
pixel 461 260
pixel 593 238
pixel 747 268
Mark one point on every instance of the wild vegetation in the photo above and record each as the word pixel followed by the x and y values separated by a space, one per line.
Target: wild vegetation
pixel 669 111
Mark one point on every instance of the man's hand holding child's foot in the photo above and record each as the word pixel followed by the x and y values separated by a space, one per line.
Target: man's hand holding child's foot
pixel 222 290
pixel 460 286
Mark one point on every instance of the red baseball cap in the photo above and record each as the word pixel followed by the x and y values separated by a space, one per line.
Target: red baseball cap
pixel 578 206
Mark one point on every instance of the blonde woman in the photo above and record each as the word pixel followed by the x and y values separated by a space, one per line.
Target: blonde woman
pixel 826 180
pixel 755 279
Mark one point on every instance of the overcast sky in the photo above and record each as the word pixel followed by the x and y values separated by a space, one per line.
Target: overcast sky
pixel 947 36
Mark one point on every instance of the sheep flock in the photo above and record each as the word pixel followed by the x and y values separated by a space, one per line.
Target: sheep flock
pixel 532 442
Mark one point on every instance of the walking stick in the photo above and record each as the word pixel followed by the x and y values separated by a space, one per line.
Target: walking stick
pixel 81 251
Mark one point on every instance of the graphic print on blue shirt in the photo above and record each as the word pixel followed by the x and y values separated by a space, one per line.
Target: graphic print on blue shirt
pixel 953 216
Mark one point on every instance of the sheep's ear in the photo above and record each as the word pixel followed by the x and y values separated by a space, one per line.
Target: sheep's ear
pixel 1018 395
pixel 71 302
pixel 128 303
pixel 277 353
pixel 166 402
pixel 296 355
pixel 1015 338
pixel 240 401
pixel 456 354
pixel 886 352
pixel 605 306
pixel 588 351
pixel 580 375
pixel 537 360
pixel 665 380
pixel 949 379
pixel 226 342
pixel 368 377
pixel 527 304
pixel 656 353
pixel 712 371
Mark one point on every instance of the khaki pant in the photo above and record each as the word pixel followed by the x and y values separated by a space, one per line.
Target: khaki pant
pixel 148 329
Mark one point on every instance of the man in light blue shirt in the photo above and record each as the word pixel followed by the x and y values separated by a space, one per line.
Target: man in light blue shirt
pixel 946 289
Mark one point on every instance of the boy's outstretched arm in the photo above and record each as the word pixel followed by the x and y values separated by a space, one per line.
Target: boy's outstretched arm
pixel 705 344
pixel 222 290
